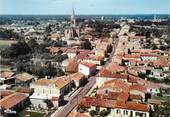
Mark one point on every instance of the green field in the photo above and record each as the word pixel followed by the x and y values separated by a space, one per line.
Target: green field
pixel 6 42
pixel 32 114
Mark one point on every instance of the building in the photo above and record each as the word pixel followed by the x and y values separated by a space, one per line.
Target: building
pixel 86 68
pixel 24 79
pixel 7 77
pixel 106 75
pixel 117 108
pixel 50 89
pixel 73 30
pixel 78 78
pixel 13 103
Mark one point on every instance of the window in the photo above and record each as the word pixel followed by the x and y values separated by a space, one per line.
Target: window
pixel 106 92
pixel 118 111
pixel 144 114
pixel 139 114
pixel 131 113
pixel 126 112
pixel 136 114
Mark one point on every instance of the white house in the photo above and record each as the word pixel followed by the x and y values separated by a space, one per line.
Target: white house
pixel 118 108
pixel 49 89
pixel 87 68
pixel 106 75
pixel 78 79
pixel 71 52
pixel 149 57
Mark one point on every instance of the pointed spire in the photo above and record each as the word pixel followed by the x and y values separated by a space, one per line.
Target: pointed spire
pixel 73 12
pixel 73 19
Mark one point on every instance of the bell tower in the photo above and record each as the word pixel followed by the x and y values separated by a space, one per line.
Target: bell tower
pixel 73 18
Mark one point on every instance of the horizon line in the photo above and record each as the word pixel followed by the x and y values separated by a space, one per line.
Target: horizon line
pixel 93 14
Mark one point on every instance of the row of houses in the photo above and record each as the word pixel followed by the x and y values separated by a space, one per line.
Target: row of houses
pixel 11 78
pixel 119 91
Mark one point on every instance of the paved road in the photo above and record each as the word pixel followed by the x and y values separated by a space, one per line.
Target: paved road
pixel 112 53
pixel 75 99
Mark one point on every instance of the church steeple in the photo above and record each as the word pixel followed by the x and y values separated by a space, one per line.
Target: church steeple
pixel 73 19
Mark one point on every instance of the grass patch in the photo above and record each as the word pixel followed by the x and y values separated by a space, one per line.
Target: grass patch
pixel 6 43
pixel 160 97
pixel 32 114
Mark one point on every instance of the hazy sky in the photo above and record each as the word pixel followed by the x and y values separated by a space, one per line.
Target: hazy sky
pixel 85 6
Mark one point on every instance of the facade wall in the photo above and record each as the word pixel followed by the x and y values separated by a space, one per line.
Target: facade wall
pixel 38 102
pixel 71 55
pixel 45 89
pixel 117 112
pixel 84 70
pixel 135 92
pixel 149 58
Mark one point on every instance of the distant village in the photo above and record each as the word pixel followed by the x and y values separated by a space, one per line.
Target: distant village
pixel 85 68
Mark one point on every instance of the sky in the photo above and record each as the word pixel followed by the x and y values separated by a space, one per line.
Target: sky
pixel 57 7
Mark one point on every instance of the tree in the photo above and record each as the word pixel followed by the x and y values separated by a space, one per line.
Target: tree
pixel 32 43
pixel 59 58
pixel 86 45
pixel 8 34
pixel 93 113
pixel 41 71
pixel 20 48
pixel 162 110
pixel 49 103
pixel 142 75
pixel 81 108
pixel 104 113
pixel 22 67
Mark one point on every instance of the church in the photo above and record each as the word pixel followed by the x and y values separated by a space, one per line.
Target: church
pixel 73 30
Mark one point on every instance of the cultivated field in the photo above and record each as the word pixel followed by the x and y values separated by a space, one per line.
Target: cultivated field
pixel 6 42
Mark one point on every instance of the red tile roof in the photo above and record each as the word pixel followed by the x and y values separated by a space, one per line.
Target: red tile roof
pixel 107 73
pixel 121 96
pixel 124 96
pixel 82 56
pixel 54 49
pixel 132 56
pixel 89 65
pixel 153 55
pixel 77 76
pixel 115 67
pixel 62 81
pixel 43 82
pixel 6 74
pixel 100 102
pixel 138 88
pixel 12 100
pixel 119 85
pixel 4 93
pixel 72 66
pixel 135 97
pixel 71 50
pixel 96 58
pixel 161 63
pixel 54 99
pixel 133 79
pixel 132 106
pixel 104 73
pixel 77 114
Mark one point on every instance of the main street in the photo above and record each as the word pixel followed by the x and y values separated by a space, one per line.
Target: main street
pixel 75 99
